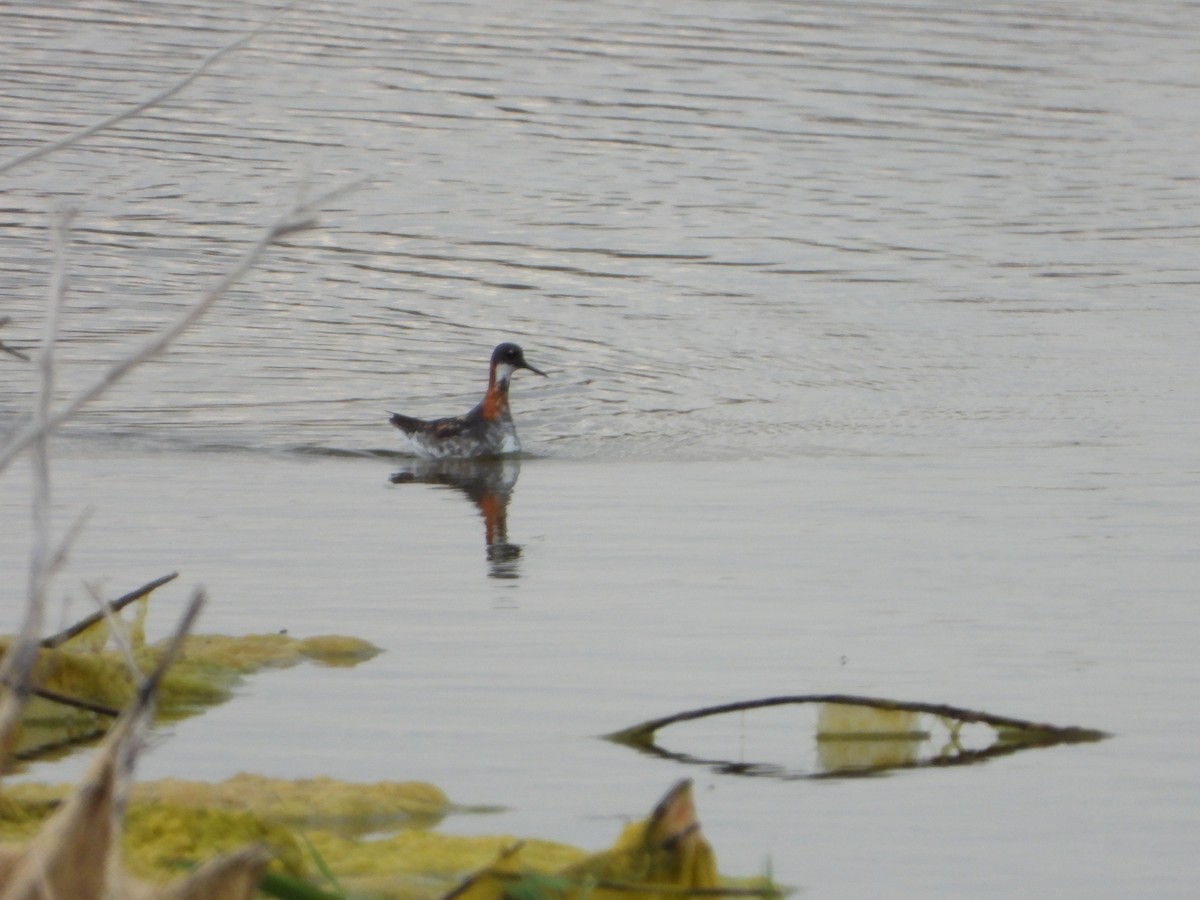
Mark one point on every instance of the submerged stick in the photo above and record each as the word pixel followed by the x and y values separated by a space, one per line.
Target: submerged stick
pixel 643 733
pixel 4 348
pixel 114 606
pixel 77 702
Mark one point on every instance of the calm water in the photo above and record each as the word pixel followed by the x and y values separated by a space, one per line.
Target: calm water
pixel 873 339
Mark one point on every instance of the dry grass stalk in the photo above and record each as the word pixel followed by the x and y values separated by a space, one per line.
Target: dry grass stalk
pixel 75 853
pixel 17 665
pixel 300 216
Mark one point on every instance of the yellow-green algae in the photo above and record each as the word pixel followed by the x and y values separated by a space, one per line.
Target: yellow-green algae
pixel 172 823
pixel 160 841
pixel 347 807
pixel 424 865
pixel 160 834
pixel 376 837
pixel 205 673
pixel 664 857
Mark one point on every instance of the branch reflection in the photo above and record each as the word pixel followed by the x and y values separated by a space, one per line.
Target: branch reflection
pixel 838 736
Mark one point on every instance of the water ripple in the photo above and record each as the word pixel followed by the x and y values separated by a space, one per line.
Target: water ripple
pixel 746 230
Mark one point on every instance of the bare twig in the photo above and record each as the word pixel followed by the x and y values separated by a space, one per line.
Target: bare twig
pixel 146 686
pixel 45 558
pixel 149 102
pixel 73 855
pixel 296 218
pixel 77 702
pixel 141 710
pixel 118 635
pixel 58 556
pixel 19 685
pixel 115 606
pixel 17 666
pixel 186 621
pixel 39 563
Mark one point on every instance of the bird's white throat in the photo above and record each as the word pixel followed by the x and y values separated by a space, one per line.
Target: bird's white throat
pixel 504 372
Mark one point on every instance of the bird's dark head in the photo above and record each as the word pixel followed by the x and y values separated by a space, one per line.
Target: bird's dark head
pixel 507 358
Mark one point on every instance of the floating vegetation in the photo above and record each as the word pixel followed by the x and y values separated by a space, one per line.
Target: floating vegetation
pixel 67 688
pixel 79 686
pixel 374 840
pixel 173 823
pixel 377 838
pixel 663 856
pixel 73 853
pixel 839 735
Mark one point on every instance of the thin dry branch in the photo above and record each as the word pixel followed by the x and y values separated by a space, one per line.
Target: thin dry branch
pixel 75 852
pixel 141 709
pixel 298 217
pixel 114 606
pixel 145 685
pixel 17 666
pixel 76 702
pixel 146 692
pixel 119 637
pixel 40 557
pixel 82 625
pixel 149 103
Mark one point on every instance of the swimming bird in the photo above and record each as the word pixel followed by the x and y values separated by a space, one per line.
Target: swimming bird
pixel 487 430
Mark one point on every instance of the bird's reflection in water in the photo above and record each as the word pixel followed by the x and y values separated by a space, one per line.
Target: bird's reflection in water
pixel 489 484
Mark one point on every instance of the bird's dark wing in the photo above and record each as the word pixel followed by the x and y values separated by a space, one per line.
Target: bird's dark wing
pixel 439 428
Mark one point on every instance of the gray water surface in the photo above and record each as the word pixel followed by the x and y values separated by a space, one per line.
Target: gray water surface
pixel 872 334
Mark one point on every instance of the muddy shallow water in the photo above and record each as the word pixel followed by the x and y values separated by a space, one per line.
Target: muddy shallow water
pixel 872 335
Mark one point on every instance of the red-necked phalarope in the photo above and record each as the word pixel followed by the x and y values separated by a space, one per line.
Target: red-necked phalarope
pixel 487 430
